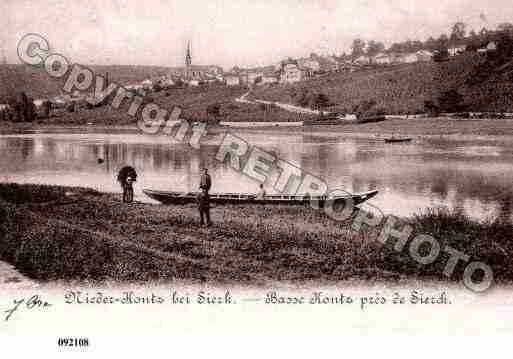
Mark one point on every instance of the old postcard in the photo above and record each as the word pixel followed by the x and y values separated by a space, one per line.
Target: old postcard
pixel 184 177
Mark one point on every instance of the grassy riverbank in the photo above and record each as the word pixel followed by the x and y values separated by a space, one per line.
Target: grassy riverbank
pixel 414 127
pixel 49 235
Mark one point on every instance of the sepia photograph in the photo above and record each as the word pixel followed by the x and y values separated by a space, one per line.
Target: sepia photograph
pixel 255 169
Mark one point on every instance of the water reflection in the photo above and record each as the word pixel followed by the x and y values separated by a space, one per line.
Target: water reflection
pixel 410 177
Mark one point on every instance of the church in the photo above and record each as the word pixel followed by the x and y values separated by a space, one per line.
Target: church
pixel 197 73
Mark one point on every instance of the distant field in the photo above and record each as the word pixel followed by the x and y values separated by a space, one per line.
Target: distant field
pixel 37 84
pixel 403 89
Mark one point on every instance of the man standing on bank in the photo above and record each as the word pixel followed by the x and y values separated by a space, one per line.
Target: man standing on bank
pixel 204 198
pixel 206 181
pixel 204 207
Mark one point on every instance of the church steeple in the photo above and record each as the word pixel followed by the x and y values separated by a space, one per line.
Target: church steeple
pixel 188 60
pixel 4 59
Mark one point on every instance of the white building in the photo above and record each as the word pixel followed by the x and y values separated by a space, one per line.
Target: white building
pixel 232 80
pixel 456 50
pixel 382 59
pixel 363 60
pixel 253 76
pixel 309 63
pixel 269 79
pixel 424 55
pixel 408 58
pixel 291 73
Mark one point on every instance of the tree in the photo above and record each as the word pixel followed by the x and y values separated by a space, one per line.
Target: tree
pixel 179 83
pixel 358 48
pixel 442 52
pixel 458 31
pixel 504 47
pixel 214 109
pixel 431 108
pixel 417 45
pixel 157 87
pixel 319 101
pixel 431 44
pixel 214 113
pixel 303 98
pixel 23 108
pixel 505 27
pixel 47 108
pixel 374 48
pixel 450 101
pixel 363 108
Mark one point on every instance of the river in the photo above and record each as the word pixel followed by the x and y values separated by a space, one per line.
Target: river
pixel 468 175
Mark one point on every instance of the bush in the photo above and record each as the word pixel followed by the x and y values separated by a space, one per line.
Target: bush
pixel 214 110
pixel 451 101
pixel 363 109
pixel 22 109
pixel 431 108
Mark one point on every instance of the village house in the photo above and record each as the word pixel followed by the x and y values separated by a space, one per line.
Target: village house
pixel 424 55
pixel 363 60
pixel 232 80
pixel 269 79
pixel 456 50
pixel 348 66
pixel 147 84
pixel 491 46
pixel 331 64
pixel 252 77
pixel 382 59
pixel 291 73
pixel 310 64
pixel 408 58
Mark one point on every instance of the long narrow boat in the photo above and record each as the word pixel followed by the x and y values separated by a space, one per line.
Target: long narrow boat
pixel 165 197
pixel 397 140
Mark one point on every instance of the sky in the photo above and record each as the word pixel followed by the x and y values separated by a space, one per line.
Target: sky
pixel 230 32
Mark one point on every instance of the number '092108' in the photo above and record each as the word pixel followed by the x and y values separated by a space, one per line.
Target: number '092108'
pixel 73 342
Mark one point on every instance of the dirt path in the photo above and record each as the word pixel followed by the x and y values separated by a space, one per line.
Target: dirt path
pixel 284 106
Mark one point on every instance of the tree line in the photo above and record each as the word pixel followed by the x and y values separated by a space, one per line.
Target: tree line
pixel 458 36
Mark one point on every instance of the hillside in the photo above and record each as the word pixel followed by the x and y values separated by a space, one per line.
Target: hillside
pixel 404 88
pixel 37 84
pixel 193 101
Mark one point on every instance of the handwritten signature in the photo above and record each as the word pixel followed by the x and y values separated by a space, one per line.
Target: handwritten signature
pixel 30 303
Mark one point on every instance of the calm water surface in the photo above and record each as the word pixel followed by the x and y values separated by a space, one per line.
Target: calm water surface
pixel 473 176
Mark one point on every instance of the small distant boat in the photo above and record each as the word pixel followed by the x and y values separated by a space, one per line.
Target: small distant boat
pixel 165 197
pixel 397 140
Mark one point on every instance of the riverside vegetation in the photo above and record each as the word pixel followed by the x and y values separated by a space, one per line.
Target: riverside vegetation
pixel 50 234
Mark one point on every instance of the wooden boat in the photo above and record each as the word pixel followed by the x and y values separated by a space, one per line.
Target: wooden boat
pixel 165 197
pixel 324 121
pixel 397 140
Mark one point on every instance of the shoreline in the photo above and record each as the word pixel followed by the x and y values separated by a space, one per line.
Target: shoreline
pixel 54 233
pixel 421 128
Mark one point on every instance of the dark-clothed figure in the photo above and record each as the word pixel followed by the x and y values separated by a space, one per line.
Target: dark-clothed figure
pixel 206 181
pixel 204 207
pixel 261 193
pixel 128 190
pixel 126 177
